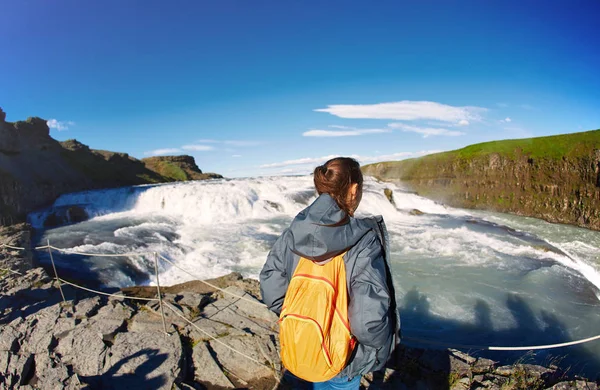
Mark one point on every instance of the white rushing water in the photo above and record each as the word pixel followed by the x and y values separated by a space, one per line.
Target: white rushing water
pixel 462 276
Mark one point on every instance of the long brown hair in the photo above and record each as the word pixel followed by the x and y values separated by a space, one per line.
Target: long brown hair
pixel 335 178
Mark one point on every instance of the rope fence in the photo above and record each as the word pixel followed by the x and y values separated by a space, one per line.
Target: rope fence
pixel 107 294
pixel 158 256
pixel 212 285
pixel 491 348
pixel 212 337
pixel 159 299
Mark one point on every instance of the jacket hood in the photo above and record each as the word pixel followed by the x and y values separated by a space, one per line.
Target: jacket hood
pixel 314 240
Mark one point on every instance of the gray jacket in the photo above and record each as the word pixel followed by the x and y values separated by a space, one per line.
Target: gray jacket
pixel 373 314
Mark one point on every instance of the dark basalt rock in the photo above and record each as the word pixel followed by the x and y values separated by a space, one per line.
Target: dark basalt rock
pixel 35 169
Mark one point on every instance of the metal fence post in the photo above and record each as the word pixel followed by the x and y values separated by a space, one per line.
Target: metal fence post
pixel 56 273
pixel 162 313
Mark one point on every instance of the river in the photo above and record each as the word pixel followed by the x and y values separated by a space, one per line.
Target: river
pixel 462 276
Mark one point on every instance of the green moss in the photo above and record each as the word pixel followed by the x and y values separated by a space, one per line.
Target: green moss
pixel 453 379
pixel 149 179
pixel 170 170
pixel 551 147
pixel 195 342
pixel 520 379
pixel 541 148
pixel 195 312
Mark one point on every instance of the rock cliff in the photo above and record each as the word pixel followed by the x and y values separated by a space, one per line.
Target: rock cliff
pixel 35 169
pixel 554 178
pixel 177 168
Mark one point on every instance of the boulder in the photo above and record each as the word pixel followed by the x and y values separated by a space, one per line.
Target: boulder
pixel 206 369
pixel 65 215
pixel 111 318
pixel 483 365
pixel 575 385
pixel 84 349
pixel 9 339
pixel 240 366
pixel 193 301
pixel 242 317
pixel 149 319
pixel 16 369
pixel 389 194
pixel 50 372
pixel 38 330
pixel 250 306
pixel 87 307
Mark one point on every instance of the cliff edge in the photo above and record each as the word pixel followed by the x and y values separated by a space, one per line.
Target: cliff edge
pixel 555 178
pixel 178 168
pixel 35 168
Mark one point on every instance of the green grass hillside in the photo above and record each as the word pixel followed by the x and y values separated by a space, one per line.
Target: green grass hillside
pixel 556 178
pixel 550 148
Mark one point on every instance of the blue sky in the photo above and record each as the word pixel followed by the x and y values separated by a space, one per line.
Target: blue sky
pixel 275 87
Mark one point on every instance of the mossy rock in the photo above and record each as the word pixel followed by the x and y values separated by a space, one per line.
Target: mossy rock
pixel 389 194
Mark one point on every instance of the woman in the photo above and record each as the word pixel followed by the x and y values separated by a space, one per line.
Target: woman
pixel 326 229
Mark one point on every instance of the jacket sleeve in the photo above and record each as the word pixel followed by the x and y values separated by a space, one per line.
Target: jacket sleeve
pixel 369 306
pixel 273 277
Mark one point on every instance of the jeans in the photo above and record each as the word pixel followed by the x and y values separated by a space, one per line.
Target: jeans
pixel 337 383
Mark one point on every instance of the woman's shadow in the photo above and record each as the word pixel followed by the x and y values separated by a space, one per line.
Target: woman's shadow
pixel 131 381
pixel 419 363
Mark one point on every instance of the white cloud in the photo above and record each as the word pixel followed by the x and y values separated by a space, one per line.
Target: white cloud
pixel 236 155
pixel 393 156
pixel 197 148
pixel 506 120
pixel 297 171
pixel 229 142
pixel 300 161
pixel 339 127
pixel 463 122
pixel 406 110
pixel 426 131
pixel 242 143
pixel 161 152
pixel 59 125
pixel 313 161
pixel 343 133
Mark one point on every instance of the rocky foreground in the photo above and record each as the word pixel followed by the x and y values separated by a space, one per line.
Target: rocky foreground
pixel 95 341
pixel 100 342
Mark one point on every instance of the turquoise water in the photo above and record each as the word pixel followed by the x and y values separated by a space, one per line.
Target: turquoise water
pixel 462 276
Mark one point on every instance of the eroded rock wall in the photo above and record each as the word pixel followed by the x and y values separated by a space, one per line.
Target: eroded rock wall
pixel 35 169
pixel 561 188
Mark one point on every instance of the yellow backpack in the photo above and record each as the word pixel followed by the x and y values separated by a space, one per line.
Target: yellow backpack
pixel 314 331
